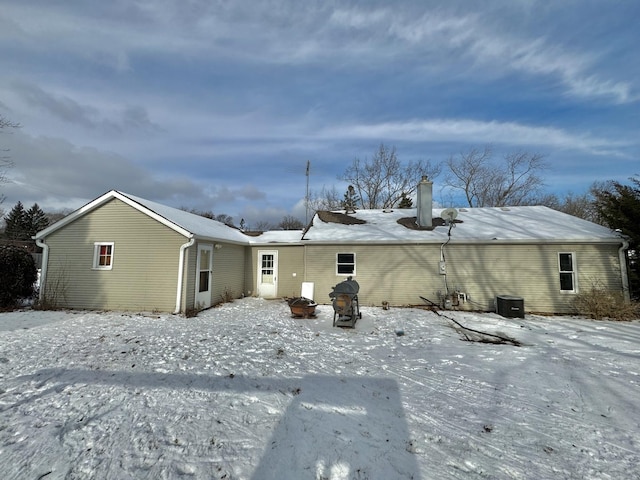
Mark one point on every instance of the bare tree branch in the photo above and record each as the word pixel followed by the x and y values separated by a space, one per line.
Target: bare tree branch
pixel 381 181
pixel 486 183
pixel 326 199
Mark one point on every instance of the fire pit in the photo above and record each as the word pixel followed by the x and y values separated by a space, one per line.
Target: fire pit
pixel 302 307
pixel 346 309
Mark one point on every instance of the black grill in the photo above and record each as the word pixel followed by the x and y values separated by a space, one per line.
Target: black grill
pixel 346 309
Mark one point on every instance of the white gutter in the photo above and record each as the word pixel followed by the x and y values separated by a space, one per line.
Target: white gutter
pixel 183 247
pixel 623 270
pixel 43 270
pixel 463 241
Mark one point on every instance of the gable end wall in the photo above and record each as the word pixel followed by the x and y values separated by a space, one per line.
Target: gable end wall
pixel 145 268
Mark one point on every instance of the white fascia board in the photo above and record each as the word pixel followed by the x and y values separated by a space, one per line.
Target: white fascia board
pixel 101 201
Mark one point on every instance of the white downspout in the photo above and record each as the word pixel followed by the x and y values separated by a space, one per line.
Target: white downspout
pixel 623 270
pixel 43 270
pixel 183 247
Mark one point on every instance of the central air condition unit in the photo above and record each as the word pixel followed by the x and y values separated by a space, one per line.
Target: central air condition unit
pixel 509 306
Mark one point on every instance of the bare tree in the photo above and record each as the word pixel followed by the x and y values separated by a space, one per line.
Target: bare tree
pixel 327 199
pixel 221 217
pixel 262 226
pixel 53 217
pixel 579 205
pixel 486 183
pixel 224 218
pixel 381 181
pixel 289 222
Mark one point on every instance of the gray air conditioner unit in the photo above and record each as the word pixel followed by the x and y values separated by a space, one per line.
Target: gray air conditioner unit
pixel 510 306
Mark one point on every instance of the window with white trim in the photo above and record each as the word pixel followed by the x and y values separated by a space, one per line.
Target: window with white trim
pixel 103 255
pixel 345 264
pixel 567 269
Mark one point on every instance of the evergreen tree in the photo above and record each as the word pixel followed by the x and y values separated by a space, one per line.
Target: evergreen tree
pixel 618 207
pixel 16 223
pixel 23 224
pixel 405 201
pixel 18 274
pixel 36 220
pixel 350 200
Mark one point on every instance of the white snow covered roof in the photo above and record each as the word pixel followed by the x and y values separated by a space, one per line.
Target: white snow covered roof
pixel 476 225
pixel 278 236
pixel 185 223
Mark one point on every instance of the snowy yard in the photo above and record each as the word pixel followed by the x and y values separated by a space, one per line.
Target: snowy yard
pixel 244 391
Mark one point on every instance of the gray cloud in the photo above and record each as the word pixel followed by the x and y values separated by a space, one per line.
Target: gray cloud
pixel 59 175
pixel 54 168
pixel 66 108
pixel 60 107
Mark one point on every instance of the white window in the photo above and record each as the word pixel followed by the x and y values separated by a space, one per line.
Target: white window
pixel 346 264
pixel 567 267
pixel 103 255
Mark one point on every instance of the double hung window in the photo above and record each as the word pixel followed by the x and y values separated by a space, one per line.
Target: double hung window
pixel 345 264
pixel 567 267
pixel 103 255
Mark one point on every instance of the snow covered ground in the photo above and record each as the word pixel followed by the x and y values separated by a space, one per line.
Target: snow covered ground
pixel 244 391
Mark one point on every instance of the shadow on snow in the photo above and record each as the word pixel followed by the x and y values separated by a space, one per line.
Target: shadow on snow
pixel 334 427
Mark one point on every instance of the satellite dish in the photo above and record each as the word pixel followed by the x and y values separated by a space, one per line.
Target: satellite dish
pixel 449 214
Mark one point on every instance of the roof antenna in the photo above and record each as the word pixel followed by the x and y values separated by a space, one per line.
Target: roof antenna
pixel 306 197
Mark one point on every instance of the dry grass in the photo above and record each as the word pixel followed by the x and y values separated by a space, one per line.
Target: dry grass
pixel 599 304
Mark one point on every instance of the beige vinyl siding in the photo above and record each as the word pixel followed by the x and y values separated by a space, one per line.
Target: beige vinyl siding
pixel 530 272
pixel 393 273
pixel 145 261
pixel 400 274
pixel 228 272
pixel 290 269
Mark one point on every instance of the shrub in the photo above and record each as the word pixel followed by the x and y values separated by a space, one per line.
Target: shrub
pixel 227 296
pixel 54 295
pixel 600 303
pixel 18 275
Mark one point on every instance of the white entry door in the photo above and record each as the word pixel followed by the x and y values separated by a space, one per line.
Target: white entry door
pixel 267 273
pixel 204 275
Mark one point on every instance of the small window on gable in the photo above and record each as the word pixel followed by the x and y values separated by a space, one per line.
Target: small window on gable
pixel 567 267
pixel 346 264
pixel 103 255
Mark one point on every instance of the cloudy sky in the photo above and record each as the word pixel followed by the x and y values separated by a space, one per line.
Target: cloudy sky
pixel 218 105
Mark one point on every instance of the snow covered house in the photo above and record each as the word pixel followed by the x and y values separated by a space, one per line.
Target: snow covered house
pixel 537 254
pixel 123 252
pixel 464 258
